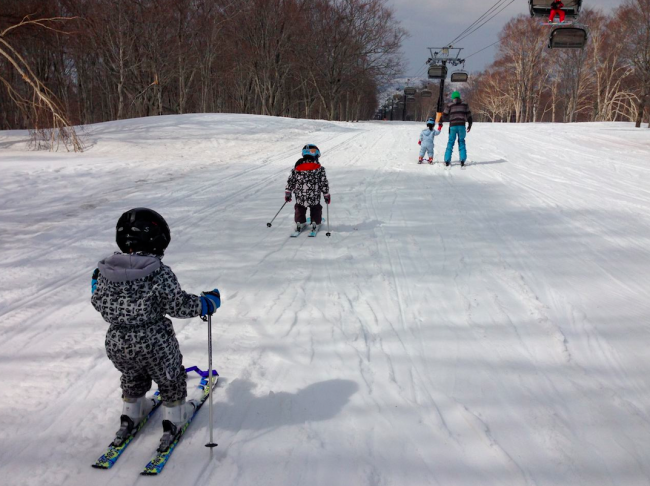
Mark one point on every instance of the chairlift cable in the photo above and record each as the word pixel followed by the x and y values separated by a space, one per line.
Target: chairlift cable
pixel 496 5
pixel 418 73
pixel 486 21
pixel 487 47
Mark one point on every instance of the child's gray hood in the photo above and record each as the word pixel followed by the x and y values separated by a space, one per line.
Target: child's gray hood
pixel 124 268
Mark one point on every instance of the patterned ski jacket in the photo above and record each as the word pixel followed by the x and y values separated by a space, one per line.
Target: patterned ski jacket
pixel 139 290
pixel 426 136
pixel 458 114
pixel 307 181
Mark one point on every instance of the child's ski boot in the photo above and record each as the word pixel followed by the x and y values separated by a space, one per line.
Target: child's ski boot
pixel 175 416
pixel 133 411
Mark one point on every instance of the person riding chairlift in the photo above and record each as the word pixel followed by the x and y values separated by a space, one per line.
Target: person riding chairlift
pixel 556 9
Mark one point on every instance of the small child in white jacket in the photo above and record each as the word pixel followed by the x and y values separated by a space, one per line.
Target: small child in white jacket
pixel 426 140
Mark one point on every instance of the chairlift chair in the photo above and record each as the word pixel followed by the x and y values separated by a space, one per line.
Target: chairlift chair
pixel 459 77
pixel 425 93
pixel 409 91
pixel 568 38
pixel 437 71
pixel 542 8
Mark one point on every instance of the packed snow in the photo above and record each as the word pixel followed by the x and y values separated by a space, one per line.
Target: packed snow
pixel 486 326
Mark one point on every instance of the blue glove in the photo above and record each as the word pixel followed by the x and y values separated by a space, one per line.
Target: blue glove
pixel 93 280
pixel 210 302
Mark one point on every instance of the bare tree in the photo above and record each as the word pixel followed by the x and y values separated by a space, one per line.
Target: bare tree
pixel 635 17
pixel 53 128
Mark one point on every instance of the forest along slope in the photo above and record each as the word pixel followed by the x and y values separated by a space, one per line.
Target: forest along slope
pixel 486 326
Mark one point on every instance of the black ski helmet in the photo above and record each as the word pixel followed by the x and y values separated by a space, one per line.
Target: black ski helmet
pixel 142 229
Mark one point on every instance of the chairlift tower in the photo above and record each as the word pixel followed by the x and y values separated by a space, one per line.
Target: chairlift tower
pixel 440 58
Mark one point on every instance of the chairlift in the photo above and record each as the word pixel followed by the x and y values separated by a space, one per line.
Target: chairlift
pixel 459 77
pixel 409 91
pixel 542 8
pixel 567 38
pixel 437 71
pixel 425 93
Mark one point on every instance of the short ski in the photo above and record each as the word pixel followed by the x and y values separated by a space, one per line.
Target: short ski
pixel 113 453
pixel 314 230
pixel 158 461
pixel 296 233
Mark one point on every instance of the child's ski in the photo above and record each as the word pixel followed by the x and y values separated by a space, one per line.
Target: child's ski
pixel 314 230
pixel 160 458
pixel 304 226
pixel 113 452
pixel 297 232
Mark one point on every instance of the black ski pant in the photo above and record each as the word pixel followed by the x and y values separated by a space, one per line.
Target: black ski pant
pixel 316 213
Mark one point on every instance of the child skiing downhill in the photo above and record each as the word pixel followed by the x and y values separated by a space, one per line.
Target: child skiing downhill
pixel 426 140
pixel 307 181
pixel 134 291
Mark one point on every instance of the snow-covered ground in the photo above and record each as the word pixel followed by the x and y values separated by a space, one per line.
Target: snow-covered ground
pixel 489 326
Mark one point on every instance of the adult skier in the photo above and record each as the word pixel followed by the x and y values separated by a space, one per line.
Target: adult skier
pixel 458 113
pixel 426 140
pixel 134 292
pixel 556 9
pixel 307 181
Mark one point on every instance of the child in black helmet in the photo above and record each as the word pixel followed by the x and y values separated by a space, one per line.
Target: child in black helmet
pixel 134 292
pixel 307 181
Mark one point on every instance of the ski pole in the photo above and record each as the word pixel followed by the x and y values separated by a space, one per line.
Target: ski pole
pixel 328 234
pixel 211 443
pixel 276 214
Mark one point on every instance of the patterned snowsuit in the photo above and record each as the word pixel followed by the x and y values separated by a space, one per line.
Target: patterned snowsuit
pixel 426 139
pixel 307 181
pixel 134 293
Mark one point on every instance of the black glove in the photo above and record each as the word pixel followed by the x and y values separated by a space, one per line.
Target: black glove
pixel 328 198
pixel 287 196
pixel 469 128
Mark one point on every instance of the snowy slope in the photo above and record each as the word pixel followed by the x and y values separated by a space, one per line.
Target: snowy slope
pixel 480 327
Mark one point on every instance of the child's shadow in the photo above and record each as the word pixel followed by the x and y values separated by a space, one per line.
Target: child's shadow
pixel 317 402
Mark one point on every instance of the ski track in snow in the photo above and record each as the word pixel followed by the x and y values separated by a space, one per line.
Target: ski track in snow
pixel 486 326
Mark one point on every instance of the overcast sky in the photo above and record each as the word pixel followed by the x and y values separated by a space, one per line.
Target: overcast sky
pixel 434 23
